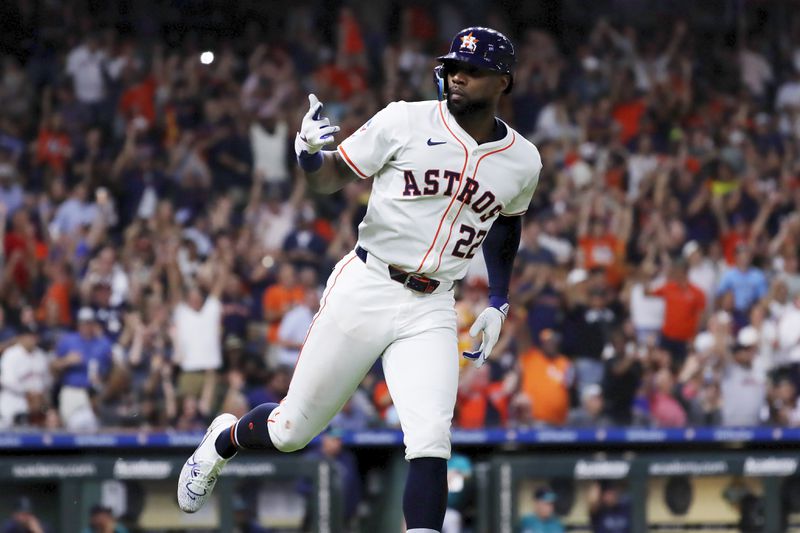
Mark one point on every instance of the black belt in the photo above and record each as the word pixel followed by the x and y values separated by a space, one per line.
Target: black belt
pixel 415 282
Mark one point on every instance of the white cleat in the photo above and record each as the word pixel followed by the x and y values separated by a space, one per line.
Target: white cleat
pixel 201 470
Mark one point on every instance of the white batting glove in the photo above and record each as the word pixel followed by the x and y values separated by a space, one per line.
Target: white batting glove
pixel 315 131
pixel 489 322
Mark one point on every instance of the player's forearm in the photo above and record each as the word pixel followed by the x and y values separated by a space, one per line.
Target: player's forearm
pixel 499 251
pixel 332 175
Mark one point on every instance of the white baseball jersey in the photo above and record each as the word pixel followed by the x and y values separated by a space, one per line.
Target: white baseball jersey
pixel 21 372
pixel 435 195
pixel 436 191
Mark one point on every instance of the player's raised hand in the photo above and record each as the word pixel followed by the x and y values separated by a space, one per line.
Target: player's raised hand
pixel 489 323
pixel 315 131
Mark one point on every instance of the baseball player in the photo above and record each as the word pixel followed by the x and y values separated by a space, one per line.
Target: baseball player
pixel 448 177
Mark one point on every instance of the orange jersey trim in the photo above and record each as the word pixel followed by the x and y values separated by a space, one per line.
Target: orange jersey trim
pixel 475 177
pixel 455 195
pixel 350 162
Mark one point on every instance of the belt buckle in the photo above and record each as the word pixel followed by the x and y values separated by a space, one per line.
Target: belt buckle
pixel 422 284
pixel 408 280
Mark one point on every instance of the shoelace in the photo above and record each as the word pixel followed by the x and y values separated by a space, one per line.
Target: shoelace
pixel 205 482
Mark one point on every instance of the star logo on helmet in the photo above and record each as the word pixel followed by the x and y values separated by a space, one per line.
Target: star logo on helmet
pixel 468 42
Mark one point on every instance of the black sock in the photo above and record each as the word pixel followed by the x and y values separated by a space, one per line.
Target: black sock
pixel 224 444
pixel 250 433
pixel 425 496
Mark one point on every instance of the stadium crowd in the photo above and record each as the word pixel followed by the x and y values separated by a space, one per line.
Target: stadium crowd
pixel 161 258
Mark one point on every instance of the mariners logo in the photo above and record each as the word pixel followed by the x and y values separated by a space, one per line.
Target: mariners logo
pixel 468 42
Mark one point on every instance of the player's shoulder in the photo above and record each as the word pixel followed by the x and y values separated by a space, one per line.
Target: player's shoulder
pixel 524 151
pixel 421 104
pixel 412 108
pixel 390 114
pixel 523 145
pixel 401 113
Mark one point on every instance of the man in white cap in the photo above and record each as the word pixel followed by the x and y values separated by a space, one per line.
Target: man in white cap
pixel 702 272
pixel 743 390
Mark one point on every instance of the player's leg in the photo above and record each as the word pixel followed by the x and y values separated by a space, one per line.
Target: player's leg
pixel 329 370
pixel 341 346
pixel 350 331
pixel 331 366
pixel 422 375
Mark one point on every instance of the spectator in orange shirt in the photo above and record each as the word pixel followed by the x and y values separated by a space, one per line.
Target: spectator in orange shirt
pixel 482 401
pixel 277 300
pixel 138 100
pixel 601 240
pixel 57 295
pixel 629 110
pixel 684 304
pixel 23 249
pixel 53 146
pixel 546 378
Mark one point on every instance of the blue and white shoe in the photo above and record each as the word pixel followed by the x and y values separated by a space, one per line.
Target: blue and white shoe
pixel 201 470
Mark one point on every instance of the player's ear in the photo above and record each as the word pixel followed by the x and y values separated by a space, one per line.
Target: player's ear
pixel 506 83
pixel 503 82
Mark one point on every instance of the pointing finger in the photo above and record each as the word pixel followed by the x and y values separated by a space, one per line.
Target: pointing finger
pixel 314 106
pixel 313 113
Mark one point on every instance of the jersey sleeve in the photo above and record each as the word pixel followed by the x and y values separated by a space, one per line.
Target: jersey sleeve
pixel 519 205
pixel 374 144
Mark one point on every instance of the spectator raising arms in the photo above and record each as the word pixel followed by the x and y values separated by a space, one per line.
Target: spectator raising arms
pixel 197 321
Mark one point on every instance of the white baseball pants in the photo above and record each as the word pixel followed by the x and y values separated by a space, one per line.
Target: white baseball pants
pixel 363 315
